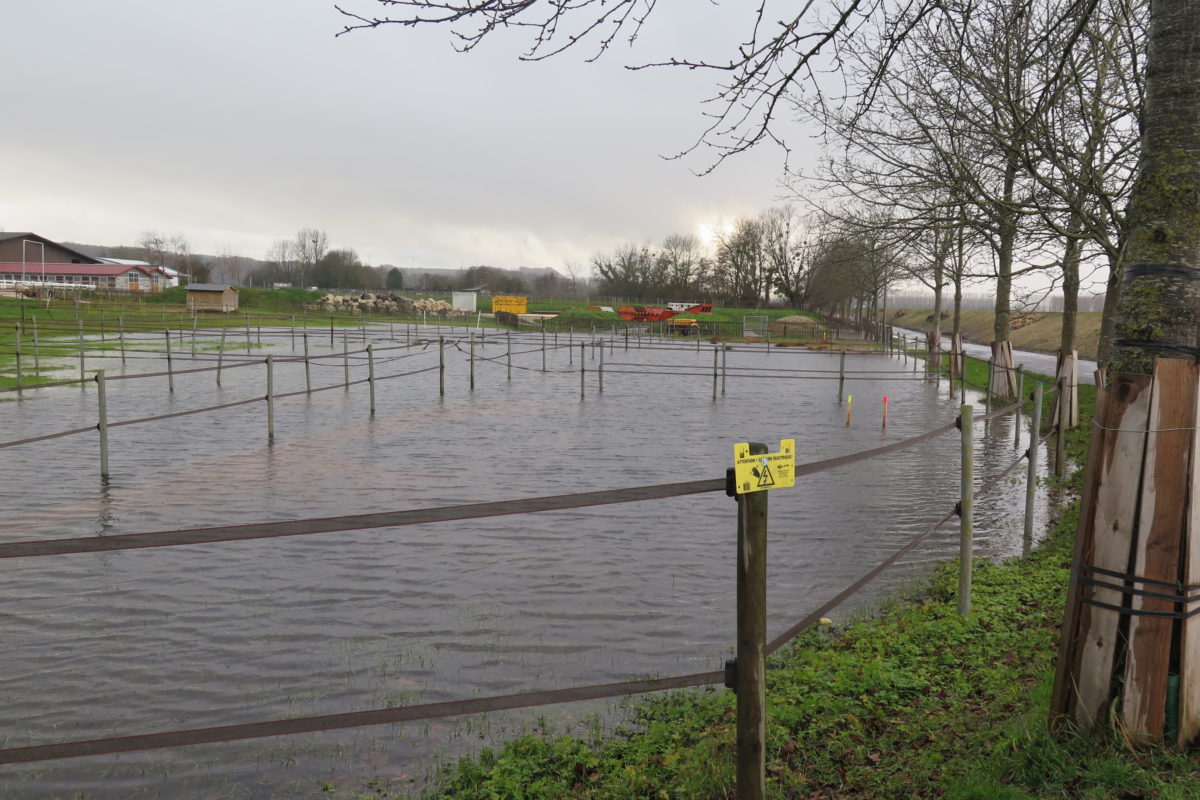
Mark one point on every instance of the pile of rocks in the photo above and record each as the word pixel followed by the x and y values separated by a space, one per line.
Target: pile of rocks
pixel 431 306
pixel 366 303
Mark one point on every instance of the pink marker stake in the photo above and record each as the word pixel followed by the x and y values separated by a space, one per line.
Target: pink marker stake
pixel 885 405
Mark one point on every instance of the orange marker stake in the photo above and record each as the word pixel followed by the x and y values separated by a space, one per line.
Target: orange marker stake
pixel 849 407
pixel 885 404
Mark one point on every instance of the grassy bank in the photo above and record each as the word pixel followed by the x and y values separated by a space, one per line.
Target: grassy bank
pixel 1037 331
pixel 915 702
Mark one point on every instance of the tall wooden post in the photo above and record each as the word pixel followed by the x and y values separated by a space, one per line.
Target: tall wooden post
pixel 307 364
pixel 221 355
pixel 724 371
pixel 270 398
pixel 1020 402
pixel 371 375
pixel 345 360
pixel 471 338
pixel 102 425
pixel 441 366
pixel 37 358
pixel 1060 430
pixel 170 364
pixel 1035 433
pixel 842 376
pixel 750 683
pixel 714 374
pixel 17 329
pixel 82 368
pixel 966 532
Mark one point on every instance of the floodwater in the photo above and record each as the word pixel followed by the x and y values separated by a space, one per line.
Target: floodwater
pixel 128 642
pixel 1044 363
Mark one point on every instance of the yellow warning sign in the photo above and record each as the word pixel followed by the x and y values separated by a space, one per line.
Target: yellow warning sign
pixel 766 471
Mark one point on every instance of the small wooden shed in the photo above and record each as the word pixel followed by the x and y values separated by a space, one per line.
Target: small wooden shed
pixel 212 297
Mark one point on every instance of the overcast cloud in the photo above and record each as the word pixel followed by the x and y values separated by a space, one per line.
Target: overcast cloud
pixel 238 123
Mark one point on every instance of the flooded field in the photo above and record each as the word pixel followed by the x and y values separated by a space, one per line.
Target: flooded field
pixel 128 642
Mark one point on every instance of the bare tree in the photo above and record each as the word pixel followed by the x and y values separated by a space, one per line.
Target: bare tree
pixel 309 248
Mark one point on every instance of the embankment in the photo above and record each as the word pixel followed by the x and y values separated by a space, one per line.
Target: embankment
pixel 1036 331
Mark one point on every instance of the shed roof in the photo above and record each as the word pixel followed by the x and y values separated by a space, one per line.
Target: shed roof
pixel 209 287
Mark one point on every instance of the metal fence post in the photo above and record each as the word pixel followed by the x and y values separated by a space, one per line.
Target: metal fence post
pixel 345 360
pixel 1035 431
pixel 508 354
pixel 582 367
pixel 102 425
pixel 724 371
pixel 966 492
pixel 471 338
pixel 750 678
pixel 600 374
pixel 441 366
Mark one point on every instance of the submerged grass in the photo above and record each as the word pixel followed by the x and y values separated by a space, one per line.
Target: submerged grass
pixel 914 702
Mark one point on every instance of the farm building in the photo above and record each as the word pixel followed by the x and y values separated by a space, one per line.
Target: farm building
pixel 211 297
pixel 31 260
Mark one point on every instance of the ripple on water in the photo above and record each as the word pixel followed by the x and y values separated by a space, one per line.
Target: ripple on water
pixel 132 641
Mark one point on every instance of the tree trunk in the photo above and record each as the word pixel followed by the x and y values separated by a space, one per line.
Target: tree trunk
pixel 1070 267
pixel 1141 465
pixel 1159 310
pixel 1112 298
pixel 1008 238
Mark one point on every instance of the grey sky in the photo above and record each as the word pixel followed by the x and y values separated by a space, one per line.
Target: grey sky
pixel 237 122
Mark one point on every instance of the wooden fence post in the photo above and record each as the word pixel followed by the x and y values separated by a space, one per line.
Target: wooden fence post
pixel 750 681
pixel 371 375
pixel 724 370
pixel 82 377
pixel 1020 403
pixel 37 358
pixel 965 522
pixel 270 398
pixel 102 425
pixel 307 364
pixel 170 366
pixel 17 329
pixel 221 355
pixel 1035 433
pixel 1060 431
pixel 842 376
pixel 714 374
